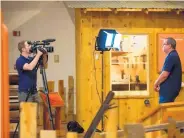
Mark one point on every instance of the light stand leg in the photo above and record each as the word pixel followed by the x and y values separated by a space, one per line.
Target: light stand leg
pixel 102 52
pixel 42 70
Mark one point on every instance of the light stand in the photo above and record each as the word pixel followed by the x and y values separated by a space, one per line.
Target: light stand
pixel 106 40
pixel 102 79
pixel 102 93
pixel 45 85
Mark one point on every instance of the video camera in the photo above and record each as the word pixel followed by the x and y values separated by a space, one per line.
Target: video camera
pixel 40 45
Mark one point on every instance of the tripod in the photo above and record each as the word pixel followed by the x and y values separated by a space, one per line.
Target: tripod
pixel 45 85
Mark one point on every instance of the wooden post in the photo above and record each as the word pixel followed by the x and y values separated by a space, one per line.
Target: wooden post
pixel 51 86
pixel 58 117
pixel 4 85
pixel 71 135
pixel 48 134
pixel 173 132
pixel 46 119
pixel 40 112
pixel 134 131
pixel 171 127
pixel 62 94
pixel 61 89
pixel 112 123
pixel 28 120
pixel 70 114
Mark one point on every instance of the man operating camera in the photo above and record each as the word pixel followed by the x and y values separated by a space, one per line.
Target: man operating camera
pixel 27 70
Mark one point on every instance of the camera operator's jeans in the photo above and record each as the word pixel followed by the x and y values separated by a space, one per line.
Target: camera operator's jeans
pixel 33 97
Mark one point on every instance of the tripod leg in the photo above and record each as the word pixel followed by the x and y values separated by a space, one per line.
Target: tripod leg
pixel 50 112
pixel 44 78
pixel 19 117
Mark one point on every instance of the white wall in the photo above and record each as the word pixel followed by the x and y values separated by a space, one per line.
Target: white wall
pixel 42 20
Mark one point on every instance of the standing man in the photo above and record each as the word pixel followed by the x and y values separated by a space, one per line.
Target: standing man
pixel 27 71
pixel 168 84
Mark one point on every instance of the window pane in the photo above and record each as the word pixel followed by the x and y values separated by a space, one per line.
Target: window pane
pixel 129 70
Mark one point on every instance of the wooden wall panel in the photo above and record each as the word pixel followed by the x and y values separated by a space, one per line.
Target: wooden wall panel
pixel 87 27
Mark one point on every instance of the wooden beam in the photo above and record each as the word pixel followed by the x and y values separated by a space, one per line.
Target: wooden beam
pixel 28 120
pixel 152 128
pixel 129 10
pixel 85 10
pixel 116 10
pixel 173 104
pixel 159 10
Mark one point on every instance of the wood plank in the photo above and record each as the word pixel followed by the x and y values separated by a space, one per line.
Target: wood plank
pixel 61 89
pixel 70 98
pixel 112 123
pixel 48 134
pixel 40 113
pixel 71 135
pixel 62 93
pixel 28 120
pixel 70 103
pixel 134 131
pixel 51 86
pixel 58 118
pixel 71 83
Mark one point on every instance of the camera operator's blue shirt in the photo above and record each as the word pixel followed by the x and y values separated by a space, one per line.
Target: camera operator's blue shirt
pixel 27 78
pixel 170 88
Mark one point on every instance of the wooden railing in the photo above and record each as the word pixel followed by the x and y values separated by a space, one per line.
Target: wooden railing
pixel 159 108
pixel 172 129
